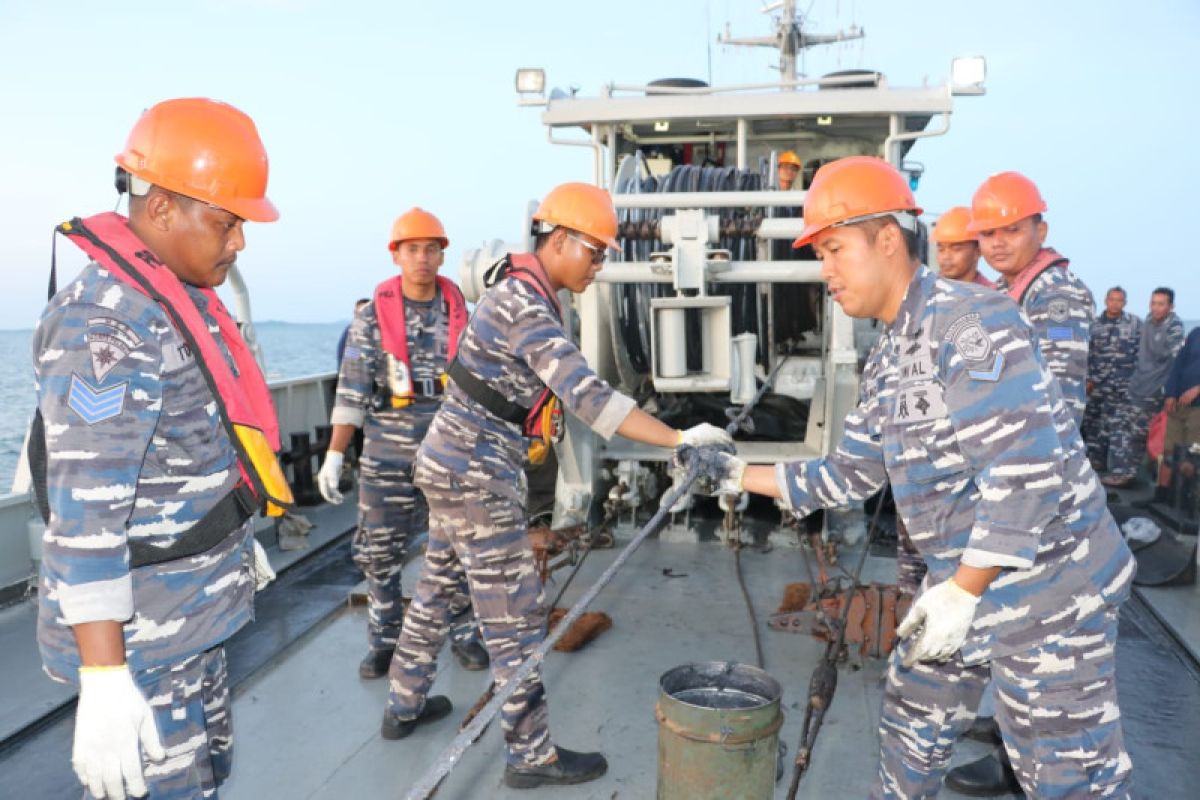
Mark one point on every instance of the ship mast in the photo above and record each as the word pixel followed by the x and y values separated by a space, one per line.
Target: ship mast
pixel 790 38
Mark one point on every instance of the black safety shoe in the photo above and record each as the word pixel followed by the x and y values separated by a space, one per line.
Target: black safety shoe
pixel 375 664
pixel 435 708
pixel 471 656
pixel 985 729
pixel 570 767
pixel 987 777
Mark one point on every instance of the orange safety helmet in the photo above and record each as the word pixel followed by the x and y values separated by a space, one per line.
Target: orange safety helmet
pixel 853 189
pixel 203 149
pixel 417 223
pixel 581 207
pixel 954 226
pixel 789 157
pixel 1003 199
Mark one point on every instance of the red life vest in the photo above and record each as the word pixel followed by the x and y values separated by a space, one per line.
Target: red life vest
pixel 1046 258
pixel 389 310
pixel 543 421
pixel 243 400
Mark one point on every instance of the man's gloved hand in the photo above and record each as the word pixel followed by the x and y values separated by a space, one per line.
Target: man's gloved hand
pixel 263 573
pixel 111 720
pixel 942 616
pixel 330 475
pixel 704 434
pixel 720 472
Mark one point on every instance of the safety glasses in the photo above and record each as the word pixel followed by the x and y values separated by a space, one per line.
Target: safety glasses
pixel 599 252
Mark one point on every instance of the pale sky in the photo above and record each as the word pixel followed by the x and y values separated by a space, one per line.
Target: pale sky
pixel 367 109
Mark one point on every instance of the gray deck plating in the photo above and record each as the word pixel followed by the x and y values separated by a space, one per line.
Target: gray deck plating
pixel 307 727
pixel 310 727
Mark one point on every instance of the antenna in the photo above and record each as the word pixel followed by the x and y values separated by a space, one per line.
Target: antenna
pixel 790 38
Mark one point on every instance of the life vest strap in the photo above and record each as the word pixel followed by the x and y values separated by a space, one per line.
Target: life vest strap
pixel 495 403
pixel 228 515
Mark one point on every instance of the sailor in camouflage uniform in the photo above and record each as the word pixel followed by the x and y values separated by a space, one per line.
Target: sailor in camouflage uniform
pixel 138 454
pixel 1006 213
pixel 1162 339
pixel 958 259
pixel 390 384
pixel 470 467
pixel 1112 356
pixel 1027 568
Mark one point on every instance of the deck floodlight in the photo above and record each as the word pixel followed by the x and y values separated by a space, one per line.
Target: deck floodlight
pixel 531 81
pixel 967 74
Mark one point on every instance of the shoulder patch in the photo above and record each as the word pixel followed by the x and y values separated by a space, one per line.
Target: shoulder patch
pixel 1059 333
pixel 969 339
pixel 95 405
pixel 109 340
pixel 1058 309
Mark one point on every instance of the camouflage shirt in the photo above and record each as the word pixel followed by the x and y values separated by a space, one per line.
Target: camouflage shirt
pixel 516 344
pixel 1060 308
pixel 959 412
pixel 1161 341
pixel 363 377
pixel 136 450
pixel 1112 354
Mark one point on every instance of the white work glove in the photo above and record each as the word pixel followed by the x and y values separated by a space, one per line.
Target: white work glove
pixel 704 434
pixel 942 616
pixel 263 574
pixel 720 472
pixel 330 475
pixel 111 720
pixel 724 473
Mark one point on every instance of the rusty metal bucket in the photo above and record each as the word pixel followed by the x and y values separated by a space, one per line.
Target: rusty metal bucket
pixel 718 732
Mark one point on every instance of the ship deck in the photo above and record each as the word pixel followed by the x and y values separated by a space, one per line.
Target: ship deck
pixel 308 727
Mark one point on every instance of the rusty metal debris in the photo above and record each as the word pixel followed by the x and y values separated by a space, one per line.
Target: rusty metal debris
pixel 875 610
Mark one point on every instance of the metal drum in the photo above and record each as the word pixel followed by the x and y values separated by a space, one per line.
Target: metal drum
pixel 718 732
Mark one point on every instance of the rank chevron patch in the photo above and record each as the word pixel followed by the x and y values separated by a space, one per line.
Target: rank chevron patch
pixel 95 405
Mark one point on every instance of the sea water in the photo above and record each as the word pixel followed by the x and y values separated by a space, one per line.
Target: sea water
pixel 290 350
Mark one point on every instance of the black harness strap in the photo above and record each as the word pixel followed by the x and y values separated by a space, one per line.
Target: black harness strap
pixel 227 516
pixel 495 403
pixel 230 512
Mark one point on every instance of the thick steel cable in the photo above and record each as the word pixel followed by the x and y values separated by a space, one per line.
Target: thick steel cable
pixel 446 760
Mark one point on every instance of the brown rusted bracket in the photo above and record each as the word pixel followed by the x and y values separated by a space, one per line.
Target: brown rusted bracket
pixel 874 612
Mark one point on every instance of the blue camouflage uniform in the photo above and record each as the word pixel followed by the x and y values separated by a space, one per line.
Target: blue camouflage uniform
pixel 1060 307
pixel 390 508
pixel 471 468
pixel 1112 355
pixel 1160 343
pixel 958 410
pixel 137 452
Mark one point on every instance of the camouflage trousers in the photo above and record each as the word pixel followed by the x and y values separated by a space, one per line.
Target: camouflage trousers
pixel 1056 706
pixel 190 700
pixel 1107 414
pixel 390 511
pixel 910 566
pixel 480 539
pixel 1127 444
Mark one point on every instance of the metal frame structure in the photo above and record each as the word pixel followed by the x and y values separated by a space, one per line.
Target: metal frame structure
pixel 857 113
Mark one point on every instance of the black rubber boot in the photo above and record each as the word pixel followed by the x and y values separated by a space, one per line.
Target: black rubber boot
pixel 570 767
pixel 435 708
pixel 987 777
pixel 471 656
pixel 375 664
pixel 985 729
